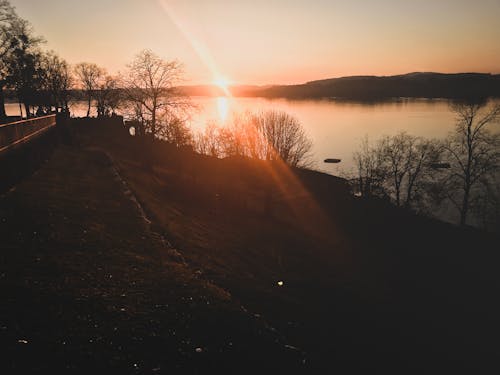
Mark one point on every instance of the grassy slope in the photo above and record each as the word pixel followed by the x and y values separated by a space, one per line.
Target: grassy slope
pixel 366 286
pixel 87 286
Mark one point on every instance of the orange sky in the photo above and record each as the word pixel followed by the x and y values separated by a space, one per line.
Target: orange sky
pixel 275 41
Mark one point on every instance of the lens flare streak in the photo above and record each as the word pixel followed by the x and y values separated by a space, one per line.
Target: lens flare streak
pixel 196 43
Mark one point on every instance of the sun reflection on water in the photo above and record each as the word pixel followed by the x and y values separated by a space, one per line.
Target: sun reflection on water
pixel 223 108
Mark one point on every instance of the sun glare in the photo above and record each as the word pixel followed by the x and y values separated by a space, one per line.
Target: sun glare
pixel 223 84
pixel 223 108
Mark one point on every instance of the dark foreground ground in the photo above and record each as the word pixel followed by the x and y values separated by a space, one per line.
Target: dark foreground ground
pixel 90 279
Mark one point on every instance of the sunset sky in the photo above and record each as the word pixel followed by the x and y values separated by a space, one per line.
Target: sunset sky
pixel 275 41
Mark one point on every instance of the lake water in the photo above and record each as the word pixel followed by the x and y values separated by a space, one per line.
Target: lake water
pixel 335 127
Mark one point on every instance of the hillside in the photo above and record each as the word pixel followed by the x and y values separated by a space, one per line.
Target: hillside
pixel 88 285
pixel 262 267
pixel 365 286
pixel 476 86
pixel 413 85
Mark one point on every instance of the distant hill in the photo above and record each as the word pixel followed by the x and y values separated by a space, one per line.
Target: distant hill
pixel 212 90
pixel 412 85
pixel 475 86
pixel 421 85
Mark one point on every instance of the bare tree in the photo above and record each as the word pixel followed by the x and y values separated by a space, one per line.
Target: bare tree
pixel 285 138
pixel 269 135
pixel 57 81
pixel 394 152
pixel 8 18
pixel 423 157
pixel 107 95
pixel 89 75
pixel 371 172
pixel 18 54
pixel 398 166
pixel 151 83
pixel 23 66
pixel 175 130
pixel 207 142
pixel 406 161
pixel 239 137
pixel 473 152
pixel 233 138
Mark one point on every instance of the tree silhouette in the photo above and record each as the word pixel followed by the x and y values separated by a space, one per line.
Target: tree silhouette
pixel 473 152
pixel 371 172
pixel 8 18
pixel 270 135
pixel 284 138
pixel 23 65
pixel 406 161
pixel 398 166
pixel 151 85
pixel 18 56
pixel 57 81
pixel 107 95
pixel 89 75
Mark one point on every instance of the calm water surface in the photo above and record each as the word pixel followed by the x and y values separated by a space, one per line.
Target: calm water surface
pixel 335 127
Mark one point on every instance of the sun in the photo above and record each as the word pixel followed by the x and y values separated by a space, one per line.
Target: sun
pixel 223 84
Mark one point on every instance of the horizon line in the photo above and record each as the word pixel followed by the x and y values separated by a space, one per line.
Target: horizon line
pixel 235 84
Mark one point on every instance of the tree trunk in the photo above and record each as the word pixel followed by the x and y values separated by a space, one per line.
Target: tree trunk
pixel 3 114
pixel 465 205
pixel 89 101
pixel 467 180
pixel 409 191
pixel 398 190
pixel 153 124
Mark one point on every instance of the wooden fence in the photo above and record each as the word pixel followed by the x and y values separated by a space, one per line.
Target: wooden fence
pixel 15 133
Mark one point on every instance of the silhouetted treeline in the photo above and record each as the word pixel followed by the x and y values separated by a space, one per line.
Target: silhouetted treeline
pixel 40 80
pixel 461 172
pixel 271 135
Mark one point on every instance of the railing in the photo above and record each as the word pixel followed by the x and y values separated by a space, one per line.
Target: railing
pixel 18 132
